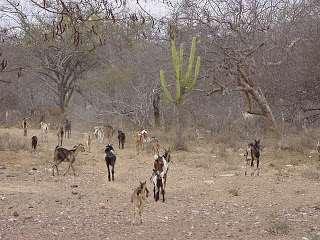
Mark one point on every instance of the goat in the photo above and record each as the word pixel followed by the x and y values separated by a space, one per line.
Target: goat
pixel 109 131
pixel 25 126
pixel 64 155
pixel 67 128
pixel 138 199
pixel 155 145
pixel 87 141
pixel 121 138
pixel 110 160
pixel 141 139
pixel 60 135
pixel 252 155
pixel 44 131
pixel 34 143
pixel 159 175
pixel 98 133
pixel 318 149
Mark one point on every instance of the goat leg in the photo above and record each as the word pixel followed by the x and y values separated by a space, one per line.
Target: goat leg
pixel 67 169
pixel 74 172
pixel 140 212
pixel 113 173
pixel 108 173
pixel 133 214
pixel 163 200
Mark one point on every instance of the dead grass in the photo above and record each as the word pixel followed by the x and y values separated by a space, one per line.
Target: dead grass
pixel 12 142
pixel 197 182
pixel 311 174
pixel 235 191
pixel 277 226
pixel 300 143
pixel 314 237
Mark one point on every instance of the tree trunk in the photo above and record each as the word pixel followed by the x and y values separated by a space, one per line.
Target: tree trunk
pixel 180 140
pixel 61 102
pixel 257 95
pixel 156 109
pixel 265 107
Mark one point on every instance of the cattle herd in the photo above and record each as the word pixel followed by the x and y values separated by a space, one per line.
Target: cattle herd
pixel 98 133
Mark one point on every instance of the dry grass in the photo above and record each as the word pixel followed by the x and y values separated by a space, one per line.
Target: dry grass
pixel 234 191
pixel 314 237
pixel 200 182
pixel 300 143
pixel 278 227
pixel 311 174
pixel 12 142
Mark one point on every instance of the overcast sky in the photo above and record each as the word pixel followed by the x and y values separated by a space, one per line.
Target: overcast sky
pixel 155 7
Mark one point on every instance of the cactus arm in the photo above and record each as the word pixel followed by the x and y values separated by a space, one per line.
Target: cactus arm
pixel 164 87
pixel 185 81
pixel 175 59
pixel 191 61
pixel 196 74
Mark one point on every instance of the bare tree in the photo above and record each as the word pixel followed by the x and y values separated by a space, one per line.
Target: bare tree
pixel 60 69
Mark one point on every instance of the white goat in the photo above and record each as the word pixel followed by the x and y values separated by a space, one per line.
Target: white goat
pixel 98 133
pixel 44 131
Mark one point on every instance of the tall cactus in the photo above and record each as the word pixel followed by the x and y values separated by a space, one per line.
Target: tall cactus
pixel 185 80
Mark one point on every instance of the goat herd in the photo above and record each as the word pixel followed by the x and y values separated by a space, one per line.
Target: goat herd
pixel 160 166
pixel 140 194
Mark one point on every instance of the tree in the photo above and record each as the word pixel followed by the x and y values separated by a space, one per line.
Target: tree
pixel 185 82
pixel 60 69
pixel 156 107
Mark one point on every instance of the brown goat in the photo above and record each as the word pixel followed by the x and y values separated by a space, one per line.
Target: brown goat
pixel 141 139
pixel 60 135
pixel 109 131
pixel 138 199
pixel 64 155
pixel 155 145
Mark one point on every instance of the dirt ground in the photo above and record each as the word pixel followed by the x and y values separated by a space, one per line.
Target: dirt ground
pixel 207 196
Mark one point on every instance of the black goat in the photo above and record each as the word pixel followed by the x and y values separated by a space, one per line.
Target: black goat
pixel 252 155
pixel 110 160
pixel 34 143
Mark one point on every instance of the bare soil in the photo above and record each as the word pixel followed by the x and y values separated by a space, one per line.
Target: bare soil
pixel 207 195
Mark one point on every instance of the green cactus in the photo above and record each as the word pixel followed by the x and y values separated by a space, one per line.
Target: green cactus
pixel 185 81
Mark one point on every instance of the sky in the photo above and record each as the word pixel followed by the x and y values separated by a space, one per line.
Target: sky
pixel 155 7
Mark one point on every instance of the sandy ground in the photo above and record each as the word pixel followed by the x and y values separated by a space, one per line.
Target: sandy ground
pixel 208 196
